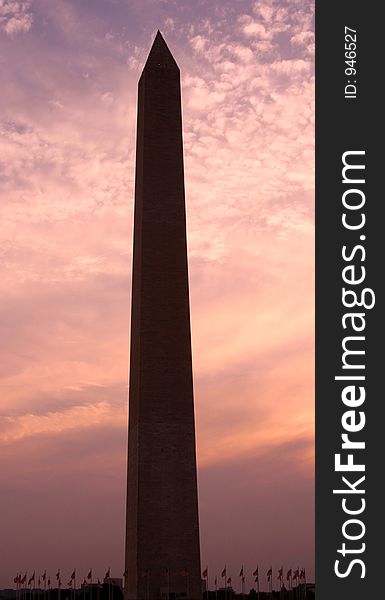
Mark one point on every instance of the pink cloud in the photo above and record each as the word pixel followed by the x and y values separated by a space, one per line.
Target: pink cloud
pixel 15 17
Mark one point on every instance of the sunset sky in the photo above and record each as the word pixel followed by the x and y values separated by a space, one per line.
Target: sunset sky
pixel 69 71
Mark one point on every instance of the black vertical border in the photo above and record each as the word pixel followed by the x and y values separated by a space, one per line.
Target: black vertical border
pixel 342 125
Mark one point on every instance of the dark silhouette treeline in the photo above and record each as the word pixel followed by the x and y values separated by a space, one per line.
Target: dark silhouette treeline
pixel 90 592
pixel 113 592
pixel 283 594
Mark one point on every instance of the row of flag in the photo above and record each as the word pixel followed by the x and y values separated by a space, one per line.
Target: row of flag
pixel 46 580
pixel 291 575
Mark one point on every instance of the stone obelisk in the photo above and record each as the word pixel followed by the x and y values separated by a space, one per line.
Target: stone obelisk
pixel 162 538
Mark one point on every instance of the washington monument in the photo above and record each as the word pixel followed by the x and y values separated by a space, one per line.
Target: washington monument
pixel 162 536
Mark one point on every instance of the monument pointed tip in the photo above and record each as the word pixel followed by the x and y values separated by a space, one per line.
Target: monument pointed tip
pixel 160 55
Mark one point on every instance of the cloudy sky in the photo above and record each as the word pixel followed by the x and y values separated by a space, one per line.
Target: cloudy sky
pixel 69 70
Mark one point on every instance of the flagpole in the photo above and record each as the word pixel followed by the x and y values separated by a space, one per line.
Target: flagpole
pixel 271 583
pixel 108 583
pixel 299 586
pixel 216 587
pixel 282 586
pixel 256 580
